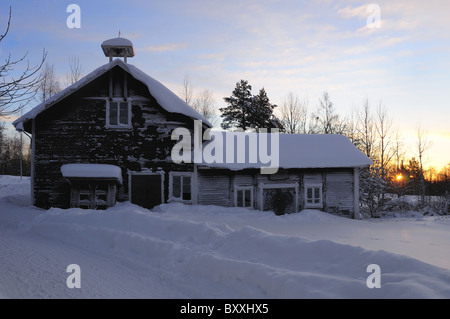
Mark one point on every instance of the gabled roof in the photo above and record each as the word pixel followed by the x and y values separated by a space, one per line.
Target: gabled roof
pixel 166 98
pixel 294 151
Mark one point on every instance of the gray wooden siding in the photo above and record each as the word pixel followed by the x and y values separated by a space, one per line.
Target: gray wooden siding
pixel 282 177
pixel 339 192
pixel 75 132
pixel 244 180
pixel 214 188
pixel 312 178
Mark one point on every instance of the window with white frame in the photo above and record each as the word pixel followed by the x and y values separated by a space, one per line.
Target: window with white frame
pixel 180 186
pixel 313 195
pixel 243 196
pixel 118 114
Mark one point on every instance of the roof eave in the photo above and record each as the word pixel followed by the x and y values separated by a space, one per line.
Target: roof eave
pixel 75 87
pixel 63 94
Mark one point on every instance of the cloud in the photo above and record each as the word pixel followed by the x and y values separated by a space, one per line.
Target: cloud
pixel 351 12
pixel 10 118
pixel 424 18
pixel 166 47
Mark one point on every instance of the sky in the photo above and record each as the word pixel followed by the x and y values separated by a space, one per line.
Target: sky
pixel 392 52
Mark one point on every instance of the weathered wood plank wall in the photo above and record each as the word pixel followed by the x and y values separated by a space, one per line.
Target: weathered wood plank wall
pixel 74 132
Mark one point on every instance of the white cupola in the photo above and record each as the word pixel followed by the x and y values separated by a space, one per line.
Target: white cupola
pixel 118 47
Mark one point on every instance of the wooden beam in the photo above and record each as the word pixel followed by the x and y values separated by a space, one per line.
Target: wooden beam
pixel 356 212
pixel 194 182
pixel 125 85
pixel 33 158
pixel 110 93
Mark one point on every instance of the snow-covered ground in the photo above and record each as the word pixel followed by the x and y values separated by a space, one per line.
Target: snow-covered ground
pixel 178 251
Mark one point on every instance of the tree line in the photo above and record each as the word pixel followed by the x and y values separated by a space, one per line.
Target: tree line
pixel 368 127
pixel 15 155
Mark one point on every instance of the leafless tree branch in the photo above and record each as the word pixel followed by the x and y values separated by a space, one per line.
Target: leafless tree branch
pixel 17 90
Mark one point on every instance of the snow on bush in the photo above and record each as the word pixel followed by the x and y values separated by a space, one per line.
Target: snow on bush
pixel 406 204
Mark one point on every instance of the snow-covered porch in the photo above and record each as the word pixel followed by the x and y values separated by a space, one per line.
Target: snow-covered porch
pixel 93 186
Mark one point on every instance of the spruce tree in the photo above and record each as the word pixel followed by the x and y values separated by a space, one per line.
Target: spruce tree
pixel 237 113
pixel 262 112
pixel 245 111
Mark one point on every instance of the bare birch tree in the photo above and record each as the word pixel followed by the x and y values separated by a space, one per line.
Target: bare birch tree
pixel 294 114
pixel 204 104
pixel 2 141
pixel 16 90
pixel 76 71
pixel 398 148
pixel 352 128
pixel 326 120
pixel 49 85
pixel 186 92
pixel 383 128
pixel 366 130
pixel 422 146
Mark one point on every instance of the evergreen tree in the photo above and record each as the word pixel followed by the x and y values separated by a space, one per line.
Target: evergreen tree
pixel 245 111
pixel 237 114
pixel 262 112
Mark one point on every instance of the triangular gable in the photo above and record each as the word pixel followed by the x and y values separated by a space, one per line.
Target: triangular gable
pixel 165 97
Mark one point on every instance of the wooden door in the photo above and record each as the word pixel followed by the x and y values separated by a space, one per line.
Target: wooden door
pixel 146 190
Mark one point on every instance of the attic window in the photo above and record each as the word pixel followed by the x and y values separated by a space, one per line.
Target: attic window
pixel 118 114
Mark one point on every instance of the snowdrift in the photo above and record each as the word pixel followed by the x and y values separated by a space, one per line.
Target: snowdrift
pixel 250 262
pixel 206 259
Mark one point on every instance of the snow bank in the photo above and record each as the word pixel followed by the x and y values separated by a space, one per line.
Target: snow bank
pixel 250 262
pixel 11 185
pixel 183 251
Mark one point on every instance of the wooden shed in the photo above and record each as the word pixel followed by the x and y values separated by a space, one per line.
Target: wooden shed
pixel 313 172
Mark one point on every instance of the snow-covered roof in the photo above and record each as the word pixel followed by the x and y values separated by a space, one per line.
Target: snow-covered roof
pixel 92 171
pixel 294 151
pixel 118 47
pixel 165 97
pixel 119 42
